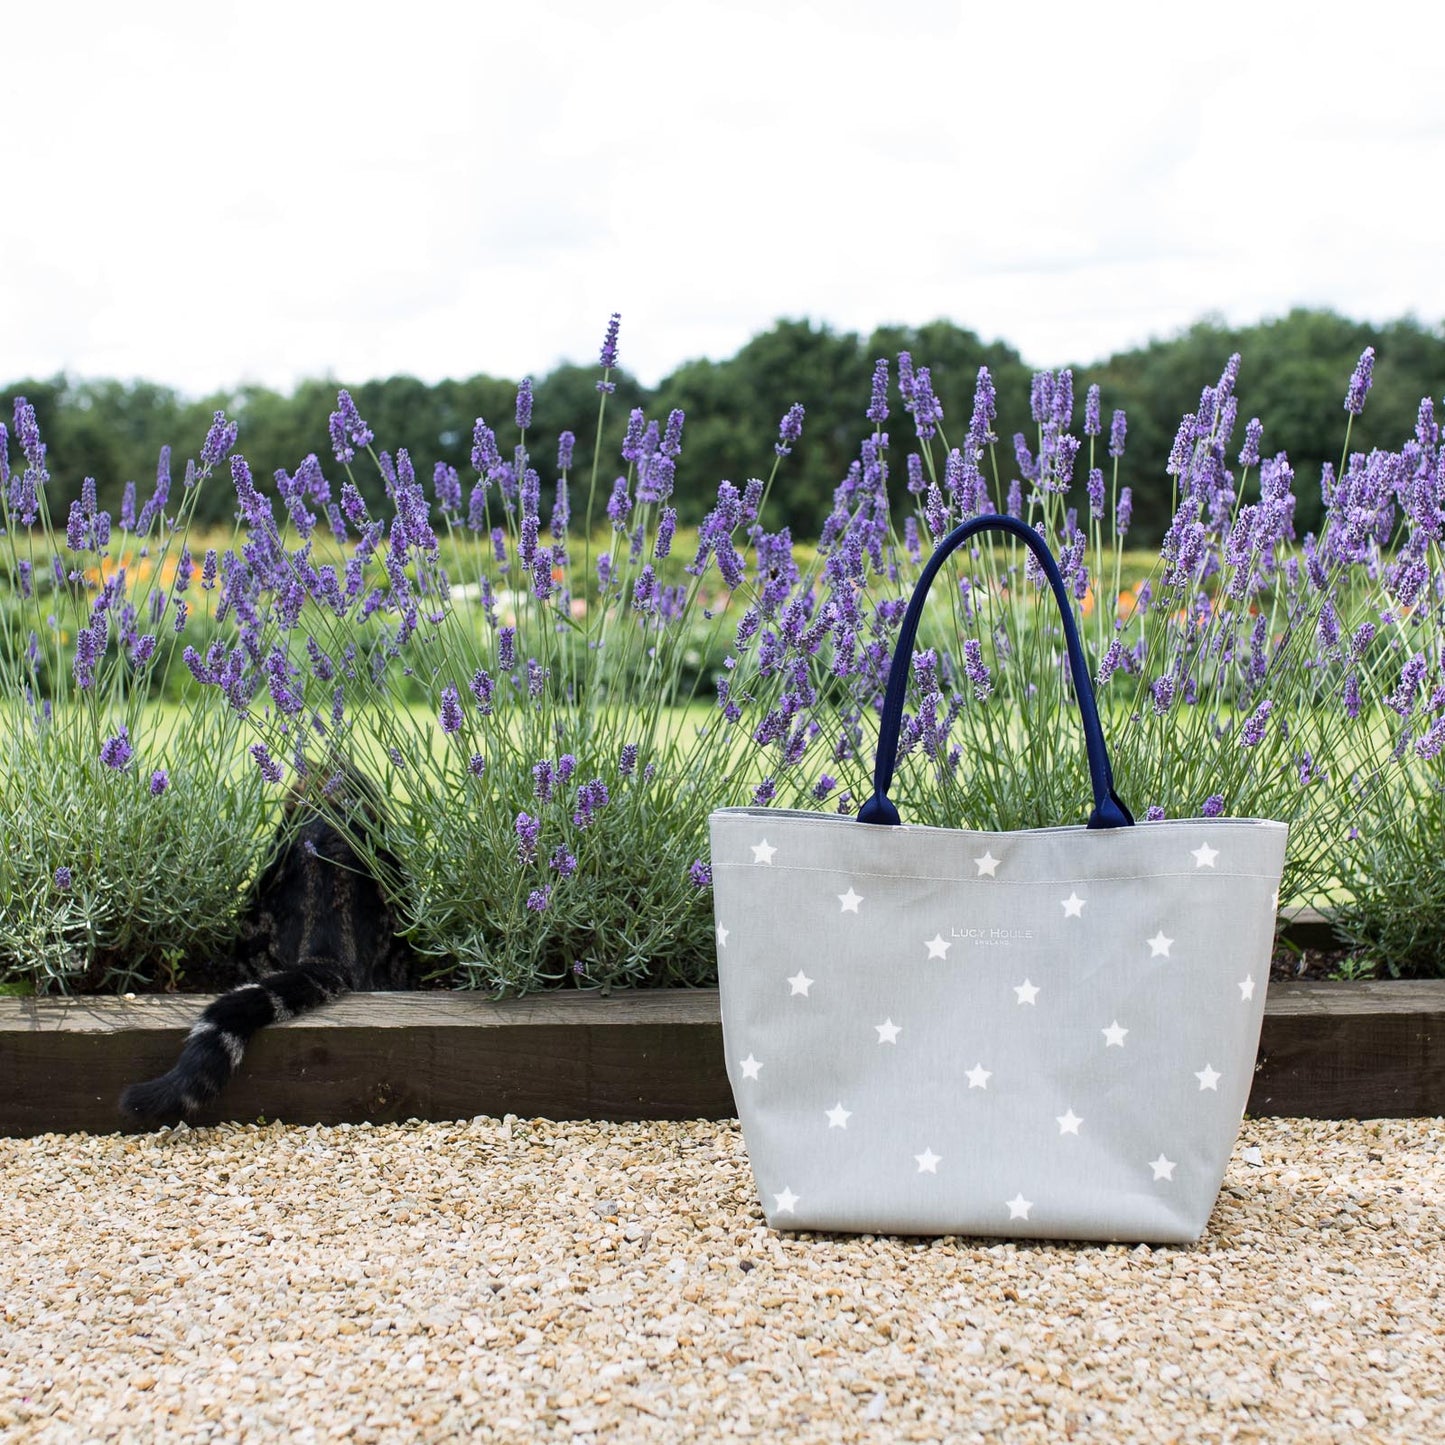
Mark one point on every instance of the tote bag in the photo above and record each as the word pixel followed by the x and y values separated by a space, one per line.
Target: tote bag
pixel 1047 1033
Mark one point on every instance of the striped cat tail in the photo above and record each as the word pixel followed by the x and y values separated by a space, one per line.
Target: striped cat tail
pixel 217 1042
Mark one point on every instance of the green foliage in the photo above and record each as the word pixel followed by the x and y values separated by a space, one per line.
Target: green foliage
pixel 113 874
pixel 1394 916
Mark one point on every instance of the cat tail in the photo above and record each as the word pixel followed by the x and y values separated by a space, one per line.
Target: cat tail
pixel 216 1043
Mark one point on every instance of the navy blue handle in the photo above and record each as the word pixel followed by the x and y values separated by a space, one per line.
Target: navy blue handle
pixel 1109 810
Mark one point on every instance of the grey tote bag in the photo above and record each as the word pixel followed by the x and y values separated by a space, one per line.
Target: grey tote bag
pixel 1040 1034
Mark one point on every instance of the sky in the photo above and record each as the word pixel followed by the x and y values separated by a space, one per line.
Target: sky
pixel 210 195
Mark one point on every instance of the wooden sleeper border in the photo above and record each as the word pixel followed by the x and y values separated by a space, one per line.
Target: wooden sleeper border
pixel 1328 1050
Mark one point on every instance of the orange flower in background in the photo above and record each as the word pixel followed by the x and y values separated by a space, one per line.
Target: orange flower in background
pixel 137 569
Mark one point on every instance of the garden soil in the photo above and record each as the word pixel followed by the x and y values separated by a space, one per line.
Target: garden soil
pixel 512 1281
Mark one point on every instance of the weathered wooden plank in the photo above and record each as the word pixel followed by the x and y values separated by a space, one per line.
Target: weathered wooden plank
pixel 1352 1051
pixel 1328 1050
pixel 379 1057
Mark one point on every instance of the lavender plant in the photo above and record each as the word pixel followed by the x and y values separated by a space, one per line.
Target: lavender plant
pixel 126 839
pixel 523 681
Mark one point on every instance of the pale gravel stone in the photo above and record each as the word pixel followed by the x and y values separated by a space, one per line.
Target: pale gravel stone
pixel 514 1280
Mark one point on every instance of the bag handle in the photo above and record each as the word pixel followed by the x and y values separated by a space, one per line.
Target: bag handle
pixel 1109 810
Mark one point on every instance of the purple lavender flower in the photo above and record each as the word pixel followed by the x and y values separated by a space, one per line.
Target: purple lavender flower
pixel 1091 411
pixel 476 765
pixel 1062 411
pixel 543 776
pixel 536 678
pixel 627 763
pixel 77 532
pixel 524 404
pixel 1096 493
pixel 632 442
pixel 447 487
pixel 486 457
pixel 878 406
pixel 1428 747
pixel 219 441
pixel 1360 382
pixel 27 433
pixel 1249 452
pixel 1252 733
pixel 926 408
pixel 591 799
pixel 116 752
pixel 609 350
pixel 1181 451
pixel 619 505
pixel 160 781
pixel 1124 511
pixel 1402 700
pixel 1156 814
pixel 539 899
pixel 699 874
pixel 767 790
pixel 1109 663
pixel 529 831
pixel 789 429
pixel 348 431
pixel 825 785
pixel 89 645
pixel 565 443
pixel 64 879
pixel 1163 691
pixel 507 648
pixel 1351 698
pixel 671 444
pixel 1213 806
pixel 644 590
pixel 563 863
pixel 451 713
pixel 1118 430
pixel 976 670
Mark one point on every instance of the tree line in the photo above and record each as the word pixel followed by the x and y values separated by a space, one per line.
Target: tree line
pixel 1295 372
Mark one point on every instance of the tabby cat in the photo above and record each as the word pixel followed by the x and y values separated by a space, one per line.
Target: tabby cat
pixel 316 926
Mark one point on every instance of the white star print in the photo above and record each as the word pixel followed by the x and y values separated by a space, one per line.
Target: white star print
pixel 801 984
pixel 785 1201
pixel 1209 1078
pixel 1069 1123
pixel 1159 945
pixel 888 1032
pixel 978 1076
pixel 1246 989
pixel 1073 906
pixel 722 936
pixel 936 946
pixel 1204 856
pixel 1114 1035
pixel 1018 1207
pixel 763 852
pixel 928 1162
pixel 1027 992
pixel 987 866
pixel 838 1116
pixel 750 1067
pixel 850 900
pixel 1163 1168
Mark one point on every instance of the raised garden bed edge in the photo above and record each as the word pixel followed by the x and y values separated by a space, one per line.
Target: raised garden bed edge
pixel 1328 1050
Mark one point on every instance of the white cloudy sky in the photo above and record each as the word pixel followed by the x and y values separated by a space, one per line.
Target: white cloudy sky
pixel 210 193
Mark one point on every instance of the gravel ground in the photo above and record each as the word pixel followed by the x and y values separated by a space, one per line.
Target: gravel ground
pixel 513 1280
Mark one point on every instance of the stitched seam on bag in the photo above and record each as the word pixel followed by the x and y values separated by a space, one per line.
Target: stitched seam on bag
pixel 841 870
